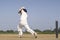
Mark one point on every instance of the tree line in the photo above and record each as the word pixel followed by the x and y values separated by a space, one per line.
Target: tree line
pixel 37 30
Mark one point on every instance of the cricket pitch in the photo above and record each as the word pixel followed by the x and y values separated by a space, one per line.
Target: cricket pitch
pixel 28 37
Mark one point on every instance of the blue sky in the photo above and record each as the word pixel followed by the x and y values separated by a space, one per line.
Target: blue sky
pixel 41 13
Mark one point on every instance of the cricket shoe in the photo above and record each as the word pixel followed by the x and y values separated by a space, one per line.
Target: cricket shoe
pixel 35 35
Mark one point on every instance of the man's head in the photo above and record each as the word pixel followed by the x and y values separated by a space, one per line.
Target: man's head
pixel 22 8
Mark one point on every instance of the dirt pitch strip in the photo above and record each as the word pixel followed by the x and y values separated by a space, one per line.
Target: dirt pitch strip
pixel 28 37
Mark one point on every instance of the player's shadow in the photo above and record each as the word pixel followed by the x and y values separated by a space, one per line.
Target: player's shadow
pixel 28 38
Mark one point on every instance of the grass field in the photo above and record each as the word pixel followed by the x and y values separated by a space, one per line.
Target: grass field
pixel 28 37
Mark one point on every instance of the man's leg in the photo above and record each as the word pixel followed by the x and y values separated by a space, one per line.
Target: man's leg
pixel 31 31
pixel 20 30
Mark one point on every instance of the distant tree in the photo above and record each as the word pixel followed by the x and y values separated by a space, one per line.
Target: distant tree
pixel 9 31
pixel 54 30
pixel 48 31
pixel 1 31
pixel 59 29
pixel 37 30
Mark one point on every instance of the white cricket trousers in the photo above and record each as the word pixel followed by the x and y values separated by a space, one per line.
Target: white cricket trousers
pixel 20 26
